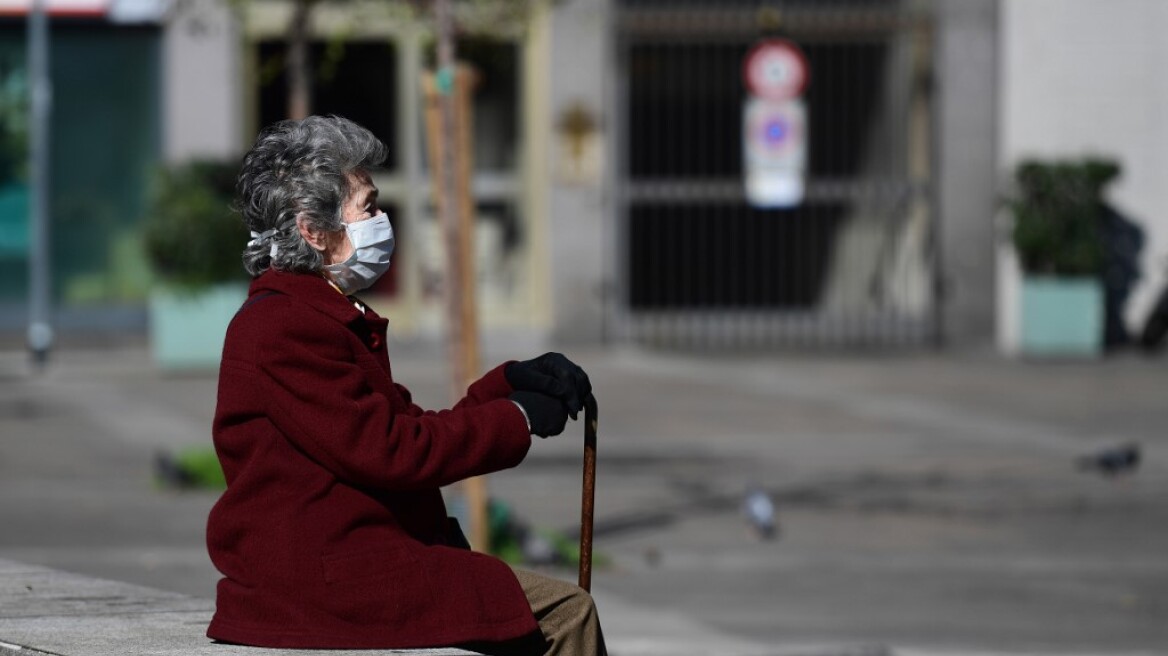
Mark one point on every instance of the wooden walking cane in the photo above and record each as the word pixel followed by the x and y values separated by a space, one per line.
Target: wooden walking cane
pixel 588 502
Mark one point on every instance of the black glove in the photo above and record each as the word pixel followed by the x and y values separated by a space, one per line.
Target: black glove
pixel 547 415
pixel 554 375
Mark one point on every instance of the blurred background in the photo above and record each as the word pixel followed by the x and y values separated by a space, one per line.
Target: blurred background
pixel 609 157
pixel 931 364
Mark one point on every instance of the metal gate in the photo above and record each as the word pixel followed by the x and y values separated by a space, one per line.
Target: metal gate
pixel 854 264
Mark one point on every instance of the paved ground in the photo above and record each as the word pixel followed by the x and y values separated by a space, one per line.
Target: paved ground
pixel 927 504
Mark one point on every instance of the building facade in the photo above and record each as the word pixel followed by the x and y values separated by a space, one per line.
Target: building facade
pixel 609 148
pixel 610 143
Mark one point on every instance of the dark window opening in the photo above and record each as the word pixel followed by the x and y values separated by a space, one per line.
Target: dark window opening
pixel 686 108
pixel 496 100
pixel 354 79
pixel 717 257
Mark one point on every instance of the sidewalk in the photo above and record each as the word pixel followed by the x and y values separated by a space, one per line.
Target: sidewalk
pixel 925 503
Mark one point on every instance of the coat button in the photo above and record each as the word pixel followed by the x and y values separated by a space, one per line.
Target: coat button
pixel 375 341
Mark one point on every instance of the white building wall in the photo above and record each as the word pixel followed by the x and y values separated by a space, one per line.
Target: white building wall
pixel 578 207
pixel 1083 77
pixel 202 108
pixel 967 86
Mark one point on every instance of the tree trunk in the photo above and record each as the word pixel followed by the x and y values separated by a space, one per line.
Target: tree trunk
pixel 299 64
pixel 451 173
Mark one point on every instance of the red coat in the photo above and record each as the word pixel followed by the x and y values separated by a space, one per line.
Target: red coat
pixel 332 532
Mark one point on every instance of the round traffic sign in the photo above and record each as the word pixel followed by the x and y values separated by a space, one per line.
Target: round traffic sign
pixel 775 69
pixel 775 131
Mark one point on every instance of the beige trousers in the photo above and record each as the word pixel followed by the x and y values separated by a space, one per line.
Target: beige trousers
pixel 566 615
pixel 567 621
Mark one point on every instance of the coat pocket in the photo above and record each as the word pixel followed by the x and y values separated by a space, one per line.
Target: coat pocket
pixel 367 564
pixel 386 588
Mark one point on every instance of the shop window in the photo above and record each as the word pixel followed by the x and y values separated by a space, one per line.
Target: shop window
pixel 496 100
pixel 105 126
pixel 686 108
pixel 354 79
pixel 498 245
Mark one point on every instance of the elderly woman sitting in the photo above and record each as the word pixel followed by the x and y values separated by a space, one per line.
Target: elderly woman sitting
pixel 332 532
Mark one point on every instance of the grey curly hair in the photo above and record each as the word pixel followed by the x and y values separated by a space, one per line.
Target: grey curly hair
pixel 299 169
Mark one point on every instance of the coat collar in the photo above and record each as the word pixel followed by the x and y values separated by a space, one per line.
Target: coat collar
pixel 311 289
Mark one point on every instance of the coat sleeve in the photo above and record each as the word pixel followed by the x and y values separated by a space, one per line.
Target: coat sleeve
pixel 319 397
pixel 493 385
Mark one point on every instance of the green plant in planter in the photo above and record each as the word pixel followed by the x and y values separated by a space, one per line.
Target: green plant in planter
pixel 192 237
pixel 1057 213
pixel 194 241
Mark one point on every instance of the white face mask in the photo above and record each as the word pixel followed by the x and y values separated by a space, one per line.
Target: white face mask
pixel 373 243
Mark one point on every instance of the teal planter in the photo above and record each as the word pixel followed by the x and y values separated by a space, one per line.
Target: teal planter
pixel 1062 316
pixel 187 328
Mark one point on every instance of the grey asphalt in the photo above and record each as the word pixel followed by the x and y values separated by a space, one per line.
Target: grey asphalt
pixel 927 503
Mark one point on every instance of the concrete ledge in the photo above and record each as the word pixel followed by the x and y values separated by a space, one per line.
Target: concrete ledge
pixel 44 611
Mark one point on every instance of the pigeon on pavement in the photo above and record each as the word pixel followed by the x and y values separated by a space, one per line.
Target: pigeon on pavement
pixel 760 512
pixel 1121 459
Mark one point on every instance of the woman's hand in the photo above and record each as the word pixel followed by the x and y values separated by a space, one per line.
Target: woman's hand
pixel 554 375
pixel 546 416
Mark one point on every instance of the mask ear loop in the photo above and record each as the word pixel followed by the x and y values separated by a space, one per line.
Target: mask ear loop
pixel 260 238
